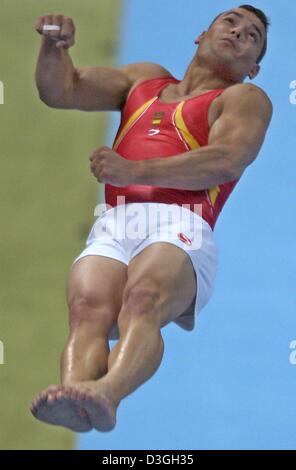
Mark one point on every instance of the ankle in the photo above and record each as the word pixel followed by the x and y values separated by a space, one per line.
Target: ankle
pixel 68 382
pixel 106 387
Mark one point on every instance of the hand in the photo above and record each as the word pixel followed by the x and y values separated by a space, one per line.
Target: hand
pixel 110 168
pixel 65 37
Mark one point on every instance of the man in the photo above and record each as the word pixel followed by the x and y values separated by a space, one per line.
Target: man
pixel 180 142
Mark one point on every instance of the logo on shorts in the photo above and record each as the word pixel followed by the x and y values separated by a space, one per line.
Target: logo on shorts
pixel 184 239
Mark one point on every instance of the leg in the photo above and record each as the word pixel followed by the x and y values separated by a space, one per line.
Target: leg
pixel 156 294
pixel 94 295
pixel 161 286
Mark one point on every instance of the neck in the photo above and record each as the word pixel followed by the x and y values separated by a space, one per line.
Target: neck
pixel 200 76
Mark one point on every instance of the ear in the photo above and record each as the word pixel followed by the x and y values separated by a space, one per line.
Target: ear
pixel 201 36
pixel 254 71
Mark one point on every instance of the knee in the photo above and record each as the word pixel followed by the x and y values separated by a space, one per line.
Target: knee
pixel 84 312
pixel 139 302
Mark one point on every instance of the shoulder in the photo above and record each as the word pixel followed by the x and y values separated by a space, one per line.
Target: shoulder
pixel 140 72
pixel 241 100
pixel 144 71
pixel 152 69
pixel 246 95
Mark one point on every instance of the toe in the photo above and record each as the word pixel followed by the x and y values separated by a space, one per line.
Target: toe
pixel 59 395
pixel 50 398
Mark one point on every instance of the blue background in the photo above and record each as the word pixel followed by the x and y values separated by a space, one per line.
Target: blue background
pixel 229 384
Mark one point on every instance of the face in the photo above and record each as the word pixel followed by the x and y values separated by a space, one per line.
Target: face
pixel 235 40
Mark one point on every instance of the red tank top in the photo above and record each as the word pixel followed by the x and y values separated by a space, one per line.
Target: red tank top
pixel 151 129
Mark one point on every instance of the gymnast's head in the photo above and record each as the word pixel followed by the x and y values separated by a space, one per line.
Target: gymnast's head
pixel 235 43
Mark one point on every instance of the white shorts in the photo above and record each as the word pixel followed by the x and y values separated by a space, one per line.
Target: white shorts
pixel 124 231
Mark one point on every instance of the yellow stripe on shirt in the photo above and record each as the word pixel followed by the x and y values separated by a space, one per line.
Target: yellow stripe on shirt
pixel 193 144
pixel 132 120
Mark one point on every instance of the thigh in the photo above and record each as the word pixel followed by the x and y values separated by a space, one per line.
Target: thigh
pixel 98 282
pixel 168 271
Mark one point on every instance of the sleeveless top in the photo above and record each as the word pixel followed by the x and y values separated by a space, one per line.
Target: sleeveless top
pixel 152 129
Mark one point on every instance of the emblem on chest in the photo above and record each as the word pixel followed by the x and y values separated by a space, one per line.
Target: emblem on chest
pixel 156 122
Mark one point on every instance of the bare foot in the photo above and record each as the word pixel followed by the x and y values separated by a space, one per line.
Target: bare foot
pixel 97 401
pixel 55 406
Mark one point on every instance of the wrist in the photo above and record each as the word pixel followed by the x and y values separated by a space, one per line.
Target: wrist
pixel 48 46
pixel 137 172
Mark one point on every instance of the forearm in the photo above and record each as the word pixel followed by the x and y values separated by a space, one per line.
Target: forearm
pixel 196 170
pixel 55 73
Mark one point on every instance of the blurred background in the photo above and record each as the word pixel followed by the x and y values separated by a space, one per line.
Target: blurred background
pixel 47 202
pixel 229 384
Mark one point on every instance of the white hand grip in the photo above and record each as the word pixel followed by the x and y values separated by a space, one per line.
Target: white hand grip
pixel 51 27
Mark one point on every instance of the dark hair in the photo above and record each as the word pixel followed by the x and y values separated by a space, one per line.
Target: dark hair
pixel 262 17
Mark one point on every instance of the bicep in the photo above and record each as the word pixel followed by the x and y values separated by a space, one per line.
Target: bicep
pixel 241 127
pixel 99 89
pixel 106 88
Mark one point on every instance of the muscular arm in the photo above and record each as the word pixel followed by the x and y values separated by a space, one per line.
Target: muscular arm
pixel 106 88
pixel 235 140
pixel 62 85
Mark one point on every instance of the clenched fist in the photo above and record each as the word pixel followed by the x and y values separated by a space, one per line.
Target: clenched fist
pixel 63 33
pixel 111 168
